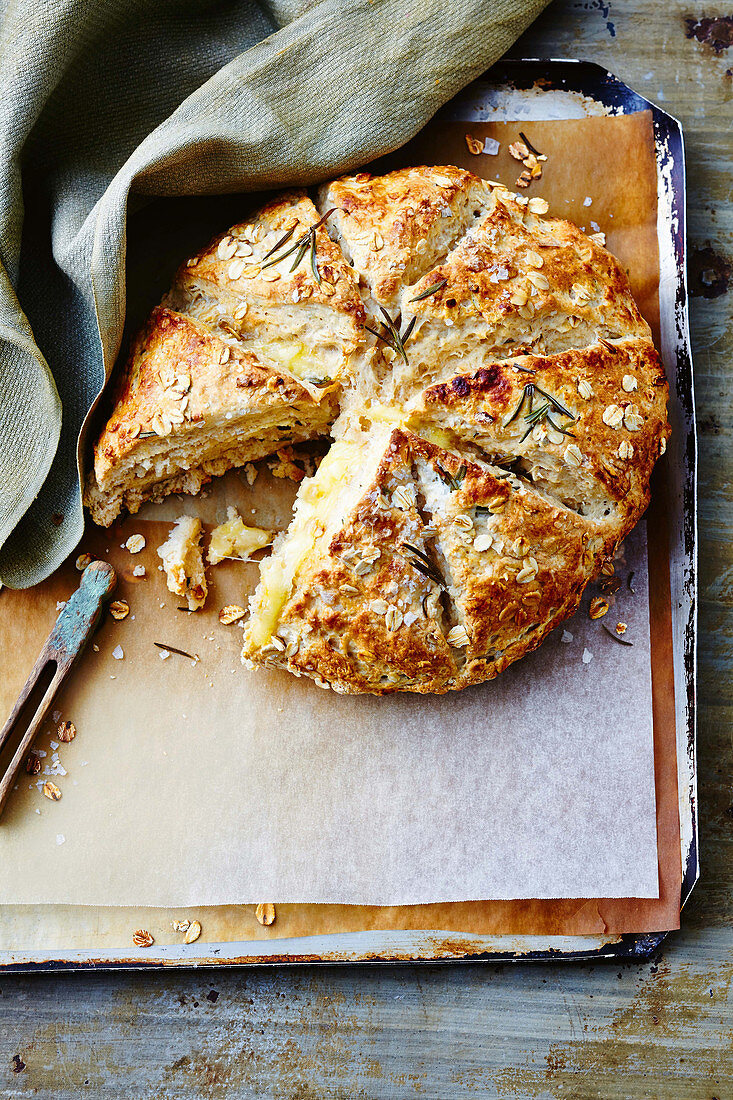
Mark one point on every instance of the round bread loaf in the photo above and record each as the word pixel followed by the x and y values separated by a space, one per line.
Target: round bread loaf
pixel 493 393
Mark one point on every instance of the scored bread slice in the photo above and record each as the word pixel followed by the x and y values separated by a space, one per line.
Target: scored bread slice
pixel 395 227
pixel 586 426
pixel 278 283
pixel 515 562
pixel 189 406
pixel 382 583
pixel 515 283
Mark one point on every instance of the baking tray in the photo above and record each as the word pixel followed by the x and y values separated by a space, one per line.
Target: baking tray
pixel 524 90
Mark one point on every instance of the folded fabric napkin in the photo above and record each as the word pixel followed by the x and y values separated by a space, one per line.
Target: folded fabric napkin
pixel 106 103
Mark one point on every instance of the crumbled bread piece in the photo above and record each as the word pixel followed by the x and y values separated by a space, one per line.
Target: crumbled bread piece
pixel 183 562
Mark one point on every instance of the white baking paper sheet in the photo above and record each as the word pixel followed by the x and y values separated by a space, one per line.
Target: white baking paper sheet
pixel 209 784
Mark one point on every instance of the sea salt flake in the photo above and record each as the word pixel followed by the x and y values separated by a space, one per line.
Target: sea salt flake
pixel 587 200
pixel 491 146
pixel 60 838
pixel 566 636
pixel 118 653
pixel 587 656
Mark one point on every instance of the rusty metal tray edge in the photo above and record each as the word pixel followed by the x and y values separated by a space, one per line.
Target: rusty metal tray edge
pixel 532 88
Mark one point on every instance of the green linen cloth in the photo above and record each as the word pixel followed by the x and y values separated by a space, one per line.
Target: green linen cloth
pixel 106 103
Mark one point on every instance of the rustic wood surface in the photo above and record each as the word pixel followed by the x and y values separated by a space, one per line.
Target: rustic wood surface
pixel 659 1029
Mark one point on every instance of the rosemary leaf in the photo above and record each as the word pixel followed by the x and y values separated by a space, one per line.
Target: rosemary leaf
pixel 529 144
pixel 180 652
pixel 302 248
pixel 527 391
pixel 616 637
pixel 433 289
pixel 423 564
pixel 314 260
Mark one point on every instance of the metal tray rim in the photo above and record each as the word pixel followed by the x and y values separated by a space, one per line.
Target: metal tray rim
pixel 593 82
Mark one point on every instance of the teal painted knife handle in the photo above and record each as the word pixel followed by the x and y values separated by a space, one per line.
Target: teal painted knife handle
pixel 65 643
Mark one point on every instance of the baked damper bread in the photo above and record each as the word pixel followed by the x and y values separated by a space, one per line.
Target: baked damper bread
pixel 496 406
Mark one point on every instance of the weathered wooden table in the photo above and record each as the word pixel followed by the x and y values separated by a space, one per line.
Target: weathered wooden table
pixel 658 1029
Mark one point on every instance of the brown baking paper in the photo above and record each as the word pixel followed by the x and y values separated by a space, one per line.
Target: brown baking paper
pixel 195 784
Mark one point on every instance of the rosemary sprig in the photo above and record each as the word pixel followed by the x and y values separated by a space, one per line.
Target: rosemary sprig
pixel 301 246
pixel 453 481
pixel 180 652
pixel 529 144
pixel 423 564
pixel 542 412
pixel 616 637
pixel 390 334
pixel 430 290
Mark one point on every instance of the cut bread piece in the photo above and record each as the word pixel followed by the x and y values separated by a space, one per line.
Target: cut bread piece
pixel 345 598
pixel 377 586
pixel 280 284
pixel 586 426
pixel 393 228
pixel 188 406
pixel 183 562
pixel 515 283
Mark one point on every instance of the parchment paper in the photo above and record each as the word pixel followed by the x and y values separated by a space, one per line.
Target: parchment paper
pixel 206 785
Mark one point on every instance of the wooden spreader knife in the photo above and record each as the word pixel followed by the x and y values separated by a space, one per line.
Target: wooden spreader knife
pixel 73 629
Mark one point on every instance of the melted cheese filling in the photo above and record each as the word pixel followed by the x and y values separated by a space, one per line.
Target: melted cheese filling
pixel 298 359
pixel 233 539
pixel 315 511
